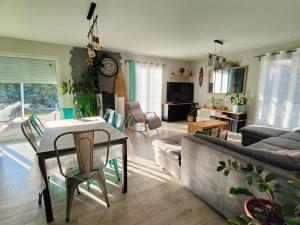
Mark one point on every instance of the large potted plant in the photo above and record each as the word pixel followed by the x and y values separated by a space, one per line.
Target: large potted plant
pixel 238 102
pixel 84 95
pixel 262 211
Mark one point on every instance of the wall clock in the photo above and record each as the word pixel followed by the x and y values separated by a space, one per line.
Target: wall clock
pixel 109 66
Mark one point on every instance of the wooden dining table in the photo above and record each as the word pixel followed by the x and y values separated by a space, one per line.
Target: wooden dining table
pixel 57 127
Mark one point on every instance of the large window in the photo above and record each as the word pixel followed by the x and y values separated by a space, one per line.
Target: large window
pixel 279 91
pixel 29 81
pixel 149 87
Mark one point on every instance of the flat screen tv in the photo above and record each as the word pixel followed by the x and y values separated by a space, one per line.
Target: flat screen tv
pixel 178 92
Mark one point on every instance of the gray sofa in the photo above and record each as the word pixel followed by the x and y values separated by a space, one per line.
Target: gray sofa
pixel 200 155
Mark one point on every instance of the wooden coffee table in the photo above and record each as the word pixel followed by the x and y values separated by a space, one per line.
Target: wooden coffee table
pixel 207 124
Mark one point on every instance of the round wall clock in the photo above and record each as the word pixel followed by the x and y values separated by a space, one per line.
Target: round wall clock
pixel 109 66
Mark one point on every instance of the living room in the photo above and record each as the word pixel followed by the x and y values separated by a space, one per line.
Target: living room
pixel 190 109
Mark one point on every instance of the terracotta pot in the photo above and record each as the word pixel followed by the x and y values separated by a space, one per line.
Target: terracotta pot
pixel 252 201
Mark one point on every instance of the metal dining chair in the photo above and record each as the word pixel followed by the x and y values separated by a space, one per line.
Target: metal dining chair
pixel 117 120
pixel 29 135
pixel 37 124
pixel 88 168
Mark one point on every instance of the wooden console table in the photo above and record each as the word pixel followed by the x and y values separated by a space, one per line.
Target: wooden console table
pixel 235 120
pixel 207 124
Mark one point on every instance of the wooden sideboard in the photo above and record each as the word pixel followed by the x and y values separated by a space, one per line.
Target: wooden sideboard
pixel 236 120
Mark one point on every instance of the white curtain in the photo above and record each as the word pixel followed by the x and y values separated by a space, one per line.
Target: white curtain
pixel 149 87
pixel 279 90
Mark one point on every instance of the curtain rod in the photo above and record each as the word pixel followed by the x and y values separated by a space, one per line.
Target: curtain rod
pixel 145 62
pixel 274 53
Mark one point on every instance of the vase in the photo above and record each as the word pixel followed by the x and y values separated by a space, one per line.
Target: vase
pixel 239 108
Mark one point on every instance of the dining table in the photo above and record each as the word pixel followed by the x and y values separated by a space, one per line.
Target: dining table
pixel 46 149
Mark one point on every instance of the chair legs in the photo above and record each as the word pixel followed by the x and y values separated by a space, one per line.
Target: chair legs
pixel 101 180
pixel 71 185
pixel 114 163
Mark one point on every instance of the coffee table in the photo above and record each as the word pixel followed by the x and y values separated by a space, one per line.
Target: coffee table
pixel 207 124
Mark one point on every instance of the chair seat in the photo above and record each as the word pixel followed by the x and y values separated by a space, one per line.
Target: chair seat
pixel 74 171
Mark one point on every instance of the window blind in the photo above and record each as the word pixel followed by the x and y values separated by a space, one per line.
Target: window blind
pixel 26 70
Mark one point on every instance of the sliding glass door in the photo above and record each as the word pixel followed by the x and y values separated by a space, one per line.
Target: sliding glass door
pixel 149 87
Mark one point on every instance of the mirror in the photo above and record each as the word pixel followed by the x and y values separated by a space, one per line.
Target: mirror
pixel 228 81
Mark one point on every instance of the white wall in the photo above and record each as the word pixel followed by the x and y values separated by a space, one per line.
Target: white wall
pixel 61 53
pixel 171 66
pixel 245 58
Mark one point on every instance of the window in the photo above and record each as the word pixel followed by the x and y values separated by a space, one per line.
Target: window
pixel 29 81
pixel 279 92
pixel 149 87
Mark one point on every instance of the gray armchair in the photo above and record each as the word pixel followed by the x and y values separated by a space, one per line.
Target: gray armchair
pixel 136 116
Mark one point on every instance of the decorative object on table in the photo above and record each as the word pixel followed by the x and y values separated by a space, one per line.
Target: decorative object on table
pixel 201 77
pixel 263 210
pixel 191 117
pixel 181 70
pixel 84 94
pixel 136 117
pixel 238 102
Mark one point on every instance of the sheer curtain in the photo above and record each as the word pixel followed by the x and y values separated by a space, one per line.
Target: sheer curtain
pixel 149 87
pixel 279 91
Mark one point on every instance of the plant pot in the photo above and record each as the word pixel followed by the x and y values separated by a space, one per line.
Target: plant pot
pixel 190 118
pixel 254 202
pixel 239 108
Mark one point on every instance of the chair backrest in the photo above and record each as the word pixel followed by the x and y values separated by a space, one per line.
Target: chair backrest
pixel 84 146
pixel 37 124
pixel 27 131
pixel 135 111
pixel 119 121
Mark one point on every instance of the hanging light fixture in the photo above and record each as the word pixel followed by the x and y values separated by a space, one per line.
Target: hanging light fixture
pixel 93 35
pixel 214 60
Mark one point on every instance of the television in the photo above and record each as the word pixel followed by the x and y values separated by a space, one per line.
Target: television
pixel 178 92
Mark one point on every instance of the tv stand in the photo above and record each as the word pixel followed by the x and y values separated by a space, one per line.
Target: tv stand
pixel 173 111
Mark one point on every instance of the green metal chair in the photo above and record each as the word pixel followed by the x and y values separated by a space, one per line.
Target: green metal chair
pixel 37 124
pixel 117 121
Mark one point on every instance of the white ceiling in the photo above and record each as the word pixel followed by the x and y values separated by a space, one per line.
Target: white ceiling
pixel 181 29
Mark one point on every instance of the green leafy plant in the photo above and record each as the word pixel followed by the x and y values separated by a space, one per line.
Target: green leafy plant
pixel 84 94
pixel 193 110
pixel 238 99
pixel 255 176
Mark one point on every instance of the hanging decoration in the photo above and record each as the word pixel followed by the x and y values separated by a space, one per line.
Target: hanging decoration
pixel 214 60
pixel 93 35
pixel 201 77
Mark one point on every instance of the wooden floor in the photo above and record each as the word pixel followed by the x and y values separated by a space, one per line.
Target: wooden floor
pixel 153 196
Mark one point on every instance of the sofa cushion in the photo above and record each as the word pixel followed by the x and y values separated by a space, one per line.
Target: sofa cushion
pixel 272 154
pixel 282 142
pixel 262 131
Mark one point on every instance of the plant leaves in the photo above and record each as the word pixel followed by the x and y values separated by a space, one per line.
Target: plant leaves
pixel 234 164
pixel 222 163
pixel 259 169
pixel 226 172
pixel 220 168
pixel 294 196
pixel 240 191
pixel 249 179
pixel 270 177
pixel 262 187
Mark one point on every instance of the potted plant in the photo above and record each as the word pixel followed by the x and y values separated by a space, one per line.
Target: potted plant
pixel 192 114
pixel 238 102
pixel 267 210
pixel 84 95
pixel 260 211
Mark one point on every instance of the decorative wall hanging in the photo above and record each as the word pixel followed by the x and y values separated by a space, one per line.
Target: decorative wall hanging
pixel 108 66
pixel 201 77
